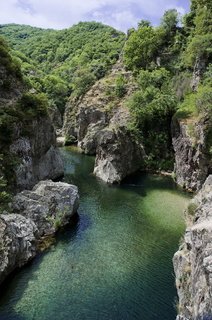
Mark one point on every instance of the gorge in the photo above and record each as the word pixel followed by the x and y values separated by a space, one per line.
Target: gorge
pixel 113 261
pixel 146 109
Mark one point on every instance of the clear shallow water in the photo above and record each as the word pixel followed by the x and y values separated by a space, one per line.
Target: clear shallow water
pixel 114 262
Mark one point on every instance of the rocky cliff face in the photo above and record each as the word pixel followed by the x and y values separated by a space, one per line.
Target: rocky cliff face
pixel 35 214
pixel 99 123
pixel 192 161
pixel 39 158
pixel 117 155
pixel 193 261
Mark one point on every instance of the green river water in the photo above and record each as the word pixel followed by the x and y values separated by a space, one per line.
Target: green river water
pixel 114 262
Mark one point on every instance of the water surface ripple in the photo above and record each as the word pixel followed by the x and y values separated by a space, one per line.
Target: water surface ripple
pixel 114 262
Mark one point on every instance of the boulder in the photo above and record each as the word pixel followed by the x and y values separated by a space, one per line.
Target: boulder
pixel 117 155
pixel 18 242
pixel 49 205
pixel 37 213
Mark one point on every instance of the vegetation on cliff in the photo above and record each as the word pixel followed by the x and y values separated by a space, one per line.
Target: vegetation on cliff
pixel 177 78
pixel 24 110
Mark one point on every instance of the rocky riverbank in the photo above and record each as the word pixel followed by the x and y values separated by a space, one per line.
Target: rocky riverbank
pixel 35 214
pixel 193 261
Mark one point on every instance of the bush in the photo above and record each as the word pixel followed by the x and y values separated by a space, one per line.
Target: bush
pixel 152 110
pixel 191 208
pixel 33 104
pixel 82 81
pixel 120 89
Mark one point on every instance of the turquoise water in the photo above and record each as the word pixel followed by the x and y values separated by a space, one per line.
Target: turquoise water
pixel 114 262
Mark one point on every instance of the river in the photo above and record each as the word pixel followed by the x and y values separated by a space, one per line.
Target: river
pixel 113 262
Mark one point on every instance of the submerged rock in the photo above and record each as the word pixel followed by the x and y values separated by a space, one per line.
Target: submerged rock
pixel 193 261
pixel 36 213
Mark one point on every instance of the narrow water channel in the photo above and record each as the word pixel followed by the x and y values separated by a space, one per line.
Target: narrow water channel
pixel 114 262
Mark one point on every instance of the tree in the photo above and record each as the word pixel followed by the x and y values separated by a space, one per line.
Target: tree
pixel 169 22
pixel 82 81
pixel 144 23
pixel 170 19
pixel 201 43
pixel 152 109
pixel 140 49
pixel 120 89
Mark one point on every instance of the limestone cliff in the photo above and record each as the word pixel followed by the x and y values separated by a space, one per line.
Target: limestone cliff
pixel 193 261
pixel 99 123
pixel 35 214
pixel 192 158
pixel 39 158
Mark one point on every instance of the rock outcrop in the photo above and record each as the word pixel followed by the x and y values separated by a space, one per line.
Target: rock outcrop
pixel 18 242
pixel 192 161
pixel 117 155
pixel 39 157
pixel 193 261
pixel 36 213
pixel 99 122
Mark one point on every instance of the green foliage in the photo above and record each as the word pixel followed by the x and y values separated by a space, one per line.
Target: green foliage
pixel 8 163
pixel 29 106
pixel 199 47
pixel 4 195
pixel 140 49
pixel 196 104
pixel 120 89
pixel 82 82
pixel 152 109
pixel 207 78
pixel 191 208
pixel 11 66
pixel 35 105
pixel 168 29
pixel 70 140
pixel 56 90
pixel 170 20
pixel 203 19
pixel 144 23
pixel 51 59
pixel 157 78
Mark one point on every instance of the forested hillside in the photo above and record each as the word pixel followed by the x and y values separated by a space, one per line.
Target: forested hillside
pixel 60 62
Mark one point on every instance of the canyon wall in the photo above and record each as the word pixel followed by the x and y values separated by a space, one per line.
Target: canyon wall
pixel 193 260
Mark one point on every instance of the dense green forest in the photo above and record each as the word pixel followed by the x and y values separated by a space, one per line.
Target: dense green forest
pixel 163 60
pixel 60 62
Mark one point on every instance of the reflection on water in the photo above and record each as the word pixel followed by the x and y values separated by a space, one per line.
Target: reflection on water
pixel 114 262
